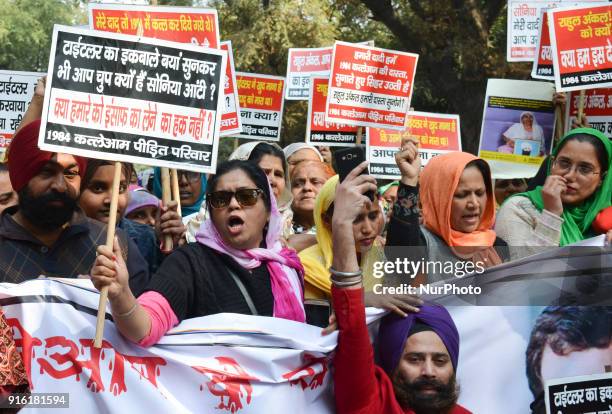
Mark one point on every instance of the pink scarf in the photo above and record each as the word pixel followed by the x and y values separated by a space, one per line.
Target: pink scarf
pixel 286 271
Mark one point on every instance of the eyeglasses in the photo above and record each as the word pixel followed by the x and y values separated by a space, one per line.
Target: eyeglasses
pixel 246 197
pixel 190 176
pixel 564 166
pixel 516 182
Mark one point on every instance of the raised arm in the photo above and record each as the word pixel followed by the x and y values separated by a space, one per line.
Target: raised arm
pixel 35 108
pixel 109 269
pixel 404 227
pixel 357 381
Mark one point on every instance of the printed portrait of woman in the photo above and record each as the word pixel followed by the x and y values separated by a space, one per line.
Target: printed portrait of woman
pixel 527 130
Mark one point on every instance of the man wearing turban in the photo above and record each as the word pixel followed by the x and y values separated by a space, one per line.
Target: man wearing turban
pixel 46 233
pixel 418 354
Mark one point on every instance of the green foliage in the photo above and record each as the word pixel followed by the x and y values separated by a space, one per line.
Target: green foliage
pixel 26 27
pixel 261 37
pixel 461 43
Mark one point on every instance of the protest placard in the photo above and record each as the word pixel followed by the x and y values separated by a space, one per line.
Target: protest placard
pixel 16 90
pixel 579 395
pixel 151 101
pixel 230 119
pixel 597 108
pixel 517 126
pixel 370 86
pixel 261 105
pixel 582 52
pixel 179 24
pixel 524 18
pixel 437 134
pixel 543 63
pixel 303 63
pixel 318 130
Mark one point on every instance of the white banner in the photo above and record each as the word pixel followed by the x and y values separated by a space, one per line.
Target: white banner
pixel 221 363
pixel 229 363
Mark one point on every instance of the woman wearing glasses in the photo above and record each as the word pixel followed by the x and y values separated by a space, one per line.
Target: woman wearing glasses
pixel 237 265
pixel 192 189
pixel 561 211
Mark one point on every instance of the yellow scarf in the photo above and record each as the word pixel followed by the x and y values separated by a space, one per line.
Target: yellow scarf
pixel 318 259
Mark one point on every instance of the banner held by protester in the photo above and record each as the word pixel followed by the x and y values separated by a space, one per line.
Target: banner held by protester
pixel 261 105
pixel 577 395
pixel 230 119
pixel 370 86
pixel 179 24
pixel 597 108
pixel 543 61
pixel 319 131
pixel 523 24
pixel 16 89
pixel 517 126
pixel 582 51
pixel 150 101
pixel 303 63
pixel 437 134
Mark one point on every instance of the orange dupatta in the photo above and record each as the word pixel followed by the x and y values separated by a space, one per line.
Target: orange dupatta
pixel 438 182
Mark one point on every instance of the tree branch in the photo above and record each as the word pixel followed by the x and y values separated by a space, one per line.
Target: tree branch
pixel 382 11
pixel 494 8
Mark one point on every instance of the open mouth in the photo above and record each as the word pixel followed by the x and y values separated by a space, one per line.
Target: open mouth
pixel 185 194
pixel 235 225
pixel 471 218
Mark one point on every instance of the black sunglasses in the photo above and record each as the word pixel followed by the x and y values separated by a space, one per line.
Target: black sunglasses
pixel 246 197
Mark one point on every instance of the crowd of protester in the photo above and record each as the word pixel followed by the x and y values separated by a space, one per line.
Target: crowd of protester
pixel 276 233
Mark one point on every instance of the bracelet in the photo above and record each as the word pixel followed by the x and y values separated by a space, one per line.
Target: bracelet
pixel 128 313
pixel 335 272
pixel 348 283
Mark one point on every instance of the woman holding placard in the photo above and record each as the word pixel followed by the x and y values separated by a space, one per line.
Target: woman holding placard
pixel 238 264
pixel 561 212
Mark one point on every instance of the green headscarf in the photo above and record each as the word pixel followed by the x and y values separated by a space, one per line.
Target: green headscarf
pixel 577 220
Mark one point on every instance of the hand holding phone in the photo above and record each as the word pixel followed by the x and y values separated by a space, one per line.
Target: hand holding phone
pixel 347 160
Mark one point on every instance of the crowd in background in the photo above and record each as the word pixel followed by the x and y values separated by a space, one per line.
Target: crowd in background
pixel 276 233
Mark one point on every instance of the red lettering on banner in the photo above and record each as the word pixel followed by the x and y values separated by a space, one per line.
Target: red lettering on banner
pixel 229 383
pixel 300 375
pixel 69 365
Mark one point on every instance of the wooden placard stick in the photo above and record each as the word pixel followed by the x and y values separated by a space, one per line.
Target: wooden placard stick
pixel 110 237
pixel 559 125
pixel 166 198
pixel 359 136
pixel 581 106
pixel 176 193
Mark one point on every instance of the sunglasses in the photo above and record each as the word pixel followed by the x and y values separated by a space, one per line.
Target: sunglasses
pixel 246 197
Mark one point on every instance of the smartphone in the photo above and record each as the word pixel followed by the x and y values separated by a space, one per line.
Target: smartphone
pixel 347 159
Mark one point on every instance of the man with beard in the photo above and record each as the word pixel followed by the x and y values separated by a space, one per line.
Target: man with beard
pixel 418 353
pixel 46 233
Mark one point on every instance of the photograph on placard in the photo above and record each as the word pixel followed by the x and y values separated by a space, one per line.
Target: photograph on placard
pixel 517 126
